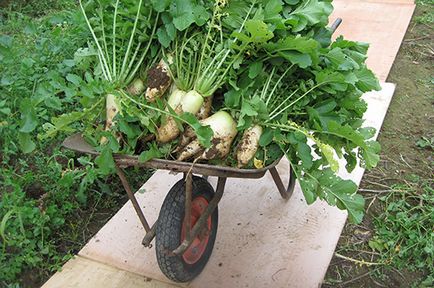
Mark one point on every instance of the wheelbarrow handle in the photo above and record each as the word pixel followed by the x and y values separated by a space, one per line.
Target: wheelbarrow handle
pixel 336 25
pixel 285 192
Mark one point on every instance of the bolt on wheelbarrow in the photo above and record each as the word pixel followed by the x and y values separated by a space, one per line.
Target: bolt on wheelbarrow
pixel 186 228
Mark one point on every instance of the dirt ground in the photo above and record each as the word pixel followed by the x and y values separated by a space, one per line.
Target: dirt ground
pixel 410 117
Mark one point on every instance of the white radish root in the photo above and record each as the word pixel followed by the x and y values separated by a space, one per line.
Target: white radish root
pixel 205 110
pixel 112 109
pixel 158 81
pixel 190 151
pixel 169 130
pixel 225 130
pixel 184 102
pixel 249 145
pixel 191 102
pixel 136 88
pixel 175 98
pixel 185 138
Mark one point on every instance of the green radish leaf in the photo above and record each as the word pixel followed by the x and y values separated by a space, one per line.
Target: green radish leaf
pixel 273 7
pixel 248 109
pixel 186 12
pixel 201 15
pixel 26 143
pixel 346 132
pixel 302 60
pixel 266 137
pixel 160 5
pixel 305 154
pixel 204 133
pixel 296 49
pixel 340 60
pixel 152 153
pixel 105 161
pixel 259 31
pixel 309 188
pixel 310 13
pixel 367 132
pixel 369 150
pixel 370 154
pixel 367 80
pixel 351 159
pixel 29 118
pixel 163 37
pixel 74 79
pixel 336 191
pixel 233 98
pixel 255 69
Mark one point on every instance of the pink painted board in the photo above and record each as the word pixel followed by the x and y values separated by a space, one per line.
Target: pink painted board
pixel 383 25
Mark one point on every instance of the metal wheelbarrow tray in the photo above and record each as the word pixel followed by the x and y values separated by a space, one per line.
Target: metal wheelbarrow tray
pixel 184 247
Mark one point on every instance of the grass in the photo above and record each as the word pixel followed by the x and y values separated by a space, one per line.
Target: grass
pixel 403 234
pixel 400 239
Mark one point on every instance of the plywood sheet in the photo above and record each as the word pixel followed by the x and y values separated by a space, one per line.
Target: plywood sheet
pixel 383 25
pixel 261 240
pixel 84 273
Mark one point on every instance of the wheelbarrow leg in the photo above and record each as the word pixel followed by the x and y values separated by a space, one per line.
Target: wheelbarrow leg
pixel 133 199
pixel 286 193
pixel 191 233
pixel 150 236
pixel 188 192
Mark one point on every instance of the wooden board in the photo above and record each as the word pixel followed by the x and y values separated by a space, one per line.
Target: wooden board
pixel 383 25
pixel 80 272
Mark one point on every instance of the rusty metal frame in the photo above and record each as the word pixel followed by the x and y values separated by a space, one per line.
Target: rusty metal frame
pixel 77 143
pixel 191 233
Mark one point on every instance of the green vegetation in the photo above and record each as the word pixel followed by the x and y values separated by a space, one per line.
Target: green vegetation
pixel 401 239
pixel 48 197
pixel 404 234
pixel 393 246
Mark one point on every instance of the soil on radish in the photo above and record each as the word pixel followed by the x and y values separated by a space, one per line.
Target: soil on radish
pixel 158 77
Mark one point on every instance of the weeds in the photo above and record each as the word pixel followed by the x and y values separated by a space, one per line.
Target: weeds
pixel 428 16
pixel 48 197
pixel 400 238
pixel 404 235
pixel 425 143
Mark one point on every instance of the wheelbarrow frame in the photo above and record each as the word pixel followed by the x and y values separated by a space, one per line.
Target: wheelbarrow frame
pixel 78 144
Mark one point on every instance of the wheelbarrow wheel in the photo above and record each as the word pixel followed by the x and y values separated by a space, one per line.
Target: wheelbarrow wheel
pixel 171 231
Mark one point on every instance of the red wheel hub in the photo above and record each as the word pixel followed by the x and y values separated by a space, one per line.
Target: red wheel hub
pixel 198 246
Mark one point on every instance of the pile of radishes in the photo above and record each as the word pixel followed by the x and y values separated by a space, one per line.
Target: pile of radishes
pixel 239 83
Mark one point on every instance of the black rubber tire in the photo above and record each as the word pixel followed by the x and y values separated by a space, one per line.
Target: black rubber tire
pixel 168 234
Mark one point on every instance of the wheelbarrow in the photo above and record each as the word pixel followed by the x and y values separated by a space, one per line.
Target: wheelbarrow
pixel 186 228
